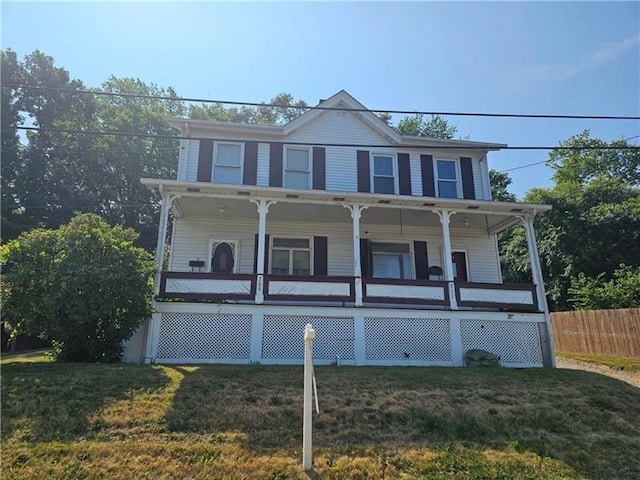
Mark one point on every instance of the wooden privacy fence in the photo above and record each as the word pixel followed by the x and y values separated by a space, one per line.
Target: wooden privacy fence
pixel 604 332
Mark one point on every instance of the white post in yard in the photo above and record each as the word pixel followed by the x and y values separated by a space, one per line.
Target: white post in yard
pixel 309 335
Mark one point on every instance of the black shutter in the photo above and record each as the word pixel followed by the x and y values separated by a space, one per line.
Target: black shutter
pixel 421 260
pixel 404 174
pixel 428 184
pixel 365 258
pixel 364 173
pixel 205 160
pixel 320 255
pixel 468 190
pixel 250 170
pixel 275 165
pixel 319 166
pixel 266 254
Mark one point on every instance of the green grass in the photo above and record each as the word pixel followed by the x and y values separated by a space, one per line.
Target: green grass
pixel 617 363
pixel 22 357
pixel 132 421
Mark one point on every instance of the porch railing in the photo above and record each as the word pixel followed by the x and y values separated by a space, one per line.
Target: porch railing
pixel 339 289
pixel 207 286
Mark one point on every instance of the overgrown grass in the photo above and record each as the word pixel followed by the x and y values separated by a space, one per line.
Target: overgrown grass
pixel 617 363
pixel 132 421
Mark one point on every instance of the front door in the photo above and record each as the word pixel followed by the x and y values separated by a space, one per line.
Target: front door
pixel 222 258
pixel 459 260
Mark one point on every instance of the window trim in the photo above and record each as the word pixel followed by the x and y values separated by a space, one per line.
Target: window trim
pixel 372 175
pixel 273 237
pixel 436 179
pixel 236 250
pixel 411 254
pixel 285 155
pixel 214 163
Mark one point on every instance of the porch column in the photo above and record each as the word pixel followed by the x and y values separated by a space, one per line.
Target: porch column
pixel 165 205
pixel 263 209
pixel 548 356
pixel 445 217
pixel 356 212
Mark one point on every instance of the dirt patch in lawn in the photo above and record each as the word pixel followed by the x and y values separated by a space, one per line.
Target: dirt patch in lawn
pixel 631 377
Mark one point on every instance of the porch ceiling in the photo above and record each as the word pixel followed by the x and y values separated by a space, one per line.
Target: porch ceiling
pixel 232 201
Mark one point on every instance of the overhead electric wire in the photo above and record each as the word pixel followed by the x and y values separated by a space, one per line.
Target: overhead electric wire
pixel 323 144
pixel 318 107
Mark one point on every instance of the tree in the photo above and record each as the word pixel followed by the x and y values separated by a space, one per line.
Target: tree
pixel 500 182
pixel 85 286
pixel 119 196
pixel 593 227
pixel 417 126
pixel 595 293
pixel 285 110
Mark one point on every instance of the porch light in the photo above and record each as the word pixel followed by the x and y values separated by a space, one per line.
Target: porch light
pixel 221 209
pixel 466 222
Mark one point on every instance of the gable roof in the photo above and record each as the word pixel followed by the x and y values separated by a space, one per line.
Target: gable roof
pixel 340 100
pixel 343 99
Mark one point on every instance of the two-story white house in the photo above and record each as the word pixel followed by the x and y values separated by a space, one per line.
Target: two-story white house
pixel 385 243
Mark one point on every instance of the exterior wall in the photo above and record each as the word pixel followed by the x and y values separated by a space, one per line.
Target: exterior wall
pixel 205 333
pixel 192 237
pixel 341 165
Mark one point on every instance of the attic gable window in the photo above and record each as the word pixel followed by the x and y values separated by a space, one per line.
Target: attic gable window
pixel 297 168
pixel 227 163
pixel 383 172
pixel 447 178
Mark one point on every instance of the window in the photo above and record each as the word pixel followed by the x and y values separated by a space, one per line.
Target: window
pixel 297 171
pixel 392 260
pixel 447 178
pixel 227 164
pixel 383 172
pixel 291 256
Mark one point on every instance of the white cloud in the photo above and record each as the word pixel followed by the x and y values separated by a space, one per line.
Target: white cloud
pixel 563 71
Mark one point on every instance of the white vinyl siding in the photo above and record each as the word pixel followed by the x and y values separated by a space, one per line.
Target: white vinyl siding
pixel 193 151
pixel 416 174
pixel 192 237
pixel 263 165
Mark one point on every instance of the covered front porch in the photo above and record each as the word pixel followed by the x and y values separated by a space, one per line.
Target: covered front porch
pixel 360 250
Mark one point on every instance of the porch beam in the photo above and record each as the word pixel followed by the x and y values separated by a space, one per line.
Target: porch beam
pixel 445 218
pixel 503 225
pixel 536 272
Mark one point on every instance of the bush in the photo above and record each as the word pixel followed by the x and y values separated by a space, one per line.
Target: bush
pixel 85 286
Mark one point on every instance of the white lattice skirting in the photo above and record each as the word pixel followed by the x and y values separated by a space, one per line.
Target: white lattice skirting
pixel 191 333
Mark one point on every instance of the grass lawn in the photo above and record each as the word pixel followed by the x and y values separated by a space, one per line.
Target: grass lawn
pixel 72 421
pixel 617 363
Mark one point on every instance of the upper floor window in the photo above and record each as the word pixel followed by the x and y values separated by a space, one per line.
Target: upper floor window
pixel 392 260
pixel 297 168
pixel 447 178
pixel 227 163
pixel 383 172
pixel 291 256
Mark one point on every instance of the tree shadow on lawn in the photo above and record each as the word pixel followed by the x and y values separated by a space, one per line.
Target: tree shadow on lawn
pixel 56 401
pixel 585 420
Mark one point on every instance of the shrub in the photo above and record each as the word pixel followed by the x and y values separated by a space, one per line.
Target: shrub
pixel 85 286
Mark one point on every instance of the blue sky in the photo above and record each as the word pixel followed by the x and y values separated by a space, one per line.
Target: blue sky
pixel 579 58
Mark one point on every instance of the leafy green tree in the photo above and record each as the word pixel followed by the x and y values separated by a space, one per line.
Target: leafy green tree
pixel 12 154
pixel 500 182
pixel 596 293
pixel 123 160
pixel 285 110
pixel 85 286
pixel 593 228
pixel 417 126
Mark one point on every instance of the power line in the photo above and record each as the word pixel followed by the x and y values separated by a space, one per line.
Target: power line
pixel 299 107
pixel 322 144
pixel 545 161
